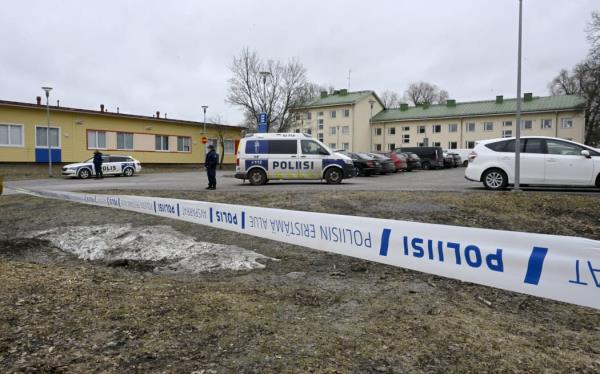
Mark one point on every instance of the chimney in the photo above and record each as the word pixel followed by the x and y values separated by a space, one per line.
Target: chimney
pixel 165 115
pixel 323 94
pixel 157 114
pixel 38 99
pixel 451 103
pixel 102 107
pixel 403 107
pixel 57 103
pixel 528 96
pixel 499 99
pixel 117 109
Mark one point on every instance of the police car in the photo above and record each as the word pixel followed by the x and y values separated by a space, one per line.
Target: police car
pixel 262 157
pixel 111 165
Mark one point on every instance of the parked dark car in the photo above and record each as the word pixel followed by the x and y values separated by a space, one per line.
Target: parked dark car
pixel 364 164
pixel 399 160
pixel 448 160
pixel 413 162
pixel 457 159
pixel 387 165
pixel 431 157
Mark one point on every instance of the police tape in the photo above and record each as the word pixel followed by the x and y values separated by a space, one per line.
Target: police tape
pixel 562 268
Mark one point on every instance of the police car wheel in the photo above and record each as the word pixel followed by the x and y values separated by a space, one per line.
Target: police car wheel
pixel 333 176
pixel 257 177
pixel 84 173
pixel 128 172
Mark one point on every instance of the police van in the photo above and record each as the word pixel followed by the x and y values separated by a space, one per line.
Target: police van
pixel 262 157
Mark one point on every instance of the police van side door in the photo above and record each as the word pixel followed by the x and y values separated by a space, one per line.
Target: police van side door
pixel 311 158
pixel 283 158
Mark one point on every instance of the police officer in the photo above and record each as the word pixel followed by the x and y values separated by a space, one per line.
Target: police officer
pixel 98 164
pixel 211 162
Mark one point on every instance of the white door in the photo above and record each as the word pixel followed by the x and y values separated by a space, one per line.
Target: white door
pixel 311 159
pixel 565 165
pixel 283 158
pixel 531 161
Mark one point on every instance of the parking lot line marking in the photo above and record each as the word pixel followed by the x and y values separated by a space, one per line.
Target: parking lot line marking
pixel 535 265
pixel 385 242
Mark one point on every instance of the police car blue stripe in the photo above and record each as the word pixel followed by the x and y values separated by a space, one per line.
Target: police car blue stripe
pixel 210 214
pixel 385 242
pixel 154 206
pixel 535 265
pixel 243 220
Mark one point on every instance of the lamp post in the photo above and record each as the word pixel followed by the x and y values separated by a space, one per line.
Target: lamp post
pixel 204 107
pixel 371 102
pixel 518 134
pixel 47 90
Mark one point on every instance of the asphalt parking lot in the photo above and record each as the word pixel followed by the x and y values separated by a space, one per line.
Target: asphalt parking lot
pixel 449 180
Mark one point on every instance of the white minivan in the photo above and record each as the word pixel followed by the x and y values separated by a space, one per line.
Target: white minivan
pixel 266 156
pixel 543 161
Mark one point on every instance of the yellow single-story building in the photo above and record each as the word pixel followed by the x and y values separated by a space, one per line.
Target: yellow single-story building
pixel 75 133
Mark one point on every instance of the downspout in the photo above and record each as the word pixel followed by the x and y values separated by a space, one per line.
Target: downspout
pixel 461 133
pixel 353 133
pixel 556 126
pixel 384 148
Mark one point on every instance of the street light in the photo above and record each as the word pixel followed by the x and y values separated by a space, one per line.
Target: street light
pixel 204 107
pixel 371 102
pixel 47 90
pixel 518 134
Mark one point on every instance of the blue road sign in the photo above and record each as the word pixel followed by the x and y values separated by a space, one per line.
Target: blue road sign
pixel 262 122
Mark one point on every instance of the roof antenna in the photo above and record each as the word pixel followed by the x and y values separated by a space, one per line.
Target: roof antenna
pixel 349 73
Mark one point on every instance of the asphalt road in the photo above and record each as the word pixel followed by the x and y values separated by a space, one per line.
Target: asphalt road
pixel 432 180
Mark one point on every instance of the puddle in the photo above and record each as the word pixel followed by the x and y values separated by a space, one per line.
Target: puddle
pixel 160 248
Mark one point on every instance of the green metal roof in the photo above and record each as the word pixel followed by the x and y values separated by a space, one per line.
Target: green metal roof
pixel 336 99
pixel 474 108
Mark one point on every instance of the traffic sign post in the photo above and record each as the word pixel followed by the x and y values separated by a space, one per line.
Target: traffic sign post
pixel 204 140
pixel 262 122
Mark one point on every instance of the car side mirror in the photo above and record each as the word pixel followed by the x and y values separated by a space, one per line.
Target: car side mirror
pixel 586 153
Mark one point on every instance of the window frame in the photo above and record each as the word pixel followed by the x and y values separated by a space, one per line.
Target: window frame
pixel 450 145
pixel 9 144
pixel 471 127
pixel 124 145
pixel 405 138
pixel 563 120
pixel 87 139
pixel 189 139
pixel 436 129
pixel 228 141
pixel 391 130
pixel 542 123
pixel 378 131
pixel 485 126
pixel 421 129
pixel 333 114
pixel 347 130
pixel 453 127
pixel 346 113
pixel 156 136
pixel 59 146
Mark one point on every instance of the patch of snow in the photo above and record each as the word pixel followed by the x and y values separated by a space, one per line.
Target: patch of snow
pixel 173 251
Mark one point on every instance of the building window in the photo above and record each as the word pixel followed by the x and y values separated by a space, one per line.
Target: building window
pixel 406 128
pixel 346 112
pixel 452 145
pixel 308 116
pixel 471 127
pixel 378 131
pixel 320 126
pixel 41 137
pixel 470 144
pixel 391 130
pixel 332 114
pixel 392 146
pixel 332 130
pixel 96 139
pixel 405 138
pixel 437 144
pixel 566 123
pixel 345 146
pixel 183 144
pixel 345 130
pixel 320 121
pixel 124 140
pixel 436 128
pixel 488 126
pixel 309 131
pixel 161 143
pixel 527 124
pixel 212 142
pixel 507 124
pixel 297 131
pixel 546 124
pixel 228 146
pixel 421 129
pixel 332 145
pixel 506 133
pixel 320 114
pixel 11 135
pixel 320 136
pixel 453 127
pixel 297 116
pixel 421 144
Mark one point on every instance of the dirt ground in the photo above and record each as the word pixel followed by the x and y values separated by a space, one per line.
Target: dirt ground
pixel 309 311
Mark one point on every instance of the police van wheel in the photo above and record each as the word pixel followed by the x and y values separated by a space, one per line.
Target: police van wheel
pixel 333 176
pixel 128 172
pixel 84 173
pixel 257 177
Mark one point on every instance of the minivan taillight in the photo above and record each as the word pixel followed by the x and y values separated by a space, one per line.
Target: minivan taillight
pixel 237 161
pixel 472 156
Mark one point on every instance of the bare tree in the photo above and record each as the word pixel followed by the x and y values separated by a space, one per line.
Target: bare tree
pixel 425 93
pixel 283 88
pixel 584 80
pixel 217 119
pixel 390 99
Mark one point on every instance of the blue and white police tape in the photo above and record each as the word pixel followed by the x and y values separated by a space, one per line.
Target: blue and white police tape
pixel 562 268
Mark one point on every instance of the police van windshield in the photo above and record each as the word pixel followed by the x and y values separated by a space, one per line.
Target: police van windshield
pixel 310 147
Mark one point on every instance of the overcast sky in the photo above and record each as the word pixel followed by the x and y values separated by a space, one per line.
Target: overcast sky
pixel 174 56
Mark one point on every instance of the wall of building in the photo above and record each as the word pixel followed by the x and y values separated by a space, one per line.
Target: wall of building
pixel 74 128
pixel 462 136
pixel 363 140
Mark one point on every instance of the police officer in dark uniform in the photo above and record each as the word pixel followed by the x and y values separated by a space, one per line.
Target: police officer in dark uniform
pixel 98 164
pixel 211 162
